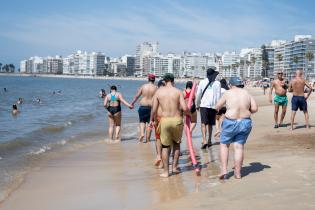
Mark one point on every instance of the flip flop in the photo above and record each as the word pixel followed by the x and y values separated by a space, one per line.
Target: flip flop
pixel 276 126
pixel 204 146
pixel 282 125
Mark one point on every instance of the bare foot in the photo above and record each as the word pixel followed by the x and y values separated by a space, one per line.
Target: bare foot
pixel 141 139
pixel 237 176
pixel 222 175
pixel 161 166
pixel 308 126
pixel 176 170
pixel 164 175
pixel 157 162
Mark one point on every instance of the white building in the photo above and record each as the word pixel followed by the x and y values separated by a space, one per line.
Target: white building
pixel 23 66
pixel 230 64
pixel 143 50
pixel 52 65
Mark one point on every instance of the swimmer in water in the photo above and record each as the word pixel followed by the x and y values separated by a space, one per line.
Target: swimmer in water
pixel 20 101
pixel 15 110
pixel 103 93
pixel 5 89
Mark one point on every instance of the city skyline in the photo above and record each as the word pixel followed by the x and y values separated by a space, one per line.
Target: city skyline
pixel 115 28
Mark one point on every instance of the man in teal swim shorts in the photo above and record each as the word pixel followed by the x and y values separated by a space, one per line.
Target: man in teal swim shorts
pixel 280 98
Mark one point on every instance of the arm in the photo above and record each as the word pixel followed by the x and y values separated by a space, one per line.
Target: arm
pixel 139 93
pixel 270 93
pixel 105 102
pixel 253 105
pixel 124 101
pixel 155 105
pixel 183 104
pixel 290 87
pixel 198 95
pixel 221 102
pixel 309 90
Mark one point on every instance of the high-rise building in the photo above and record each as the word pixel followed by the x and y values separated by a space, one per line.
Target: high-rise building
pixel 52 65
pixel 295 56
pixel 143 50
pixel 23 66
pixel 230 64
pixel 97 63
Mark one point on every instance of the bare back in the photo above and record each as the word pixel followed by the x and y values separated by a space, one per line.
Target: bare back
pixel 147 92
pixel 170 99
pixel 297 86
pixel 238 103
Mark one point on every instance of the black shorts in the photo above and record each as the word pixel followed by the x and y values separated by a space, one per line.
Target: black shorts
pixel 144 114
pixel 222 111
pixel 207 116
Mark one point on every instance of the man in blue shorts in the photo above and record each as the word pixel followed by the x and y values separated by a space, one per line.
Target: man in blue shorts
pixel 299 98
pixel 237 124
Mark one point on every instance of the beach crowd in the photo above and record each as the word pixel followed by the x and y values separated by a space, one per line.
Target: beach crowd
pixel 226 105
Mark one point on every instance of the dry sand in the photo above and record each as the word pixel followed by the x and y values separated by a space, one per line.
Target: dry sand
pixel 278 173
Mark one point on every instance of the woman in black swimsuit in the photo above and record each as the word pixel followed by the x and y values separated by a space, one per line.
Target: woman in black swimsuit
pixel 112 104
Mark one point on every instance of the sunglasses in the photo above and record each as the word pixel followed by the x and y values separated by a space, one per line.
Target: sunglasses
pixel 280 73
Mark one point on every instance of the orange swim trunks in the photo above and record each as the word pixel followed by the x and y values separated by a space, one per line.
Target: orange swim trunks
pixel 157 128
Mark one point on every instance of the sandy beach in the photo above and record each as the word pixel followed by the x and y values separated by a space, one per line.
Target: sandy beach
pixel 278 173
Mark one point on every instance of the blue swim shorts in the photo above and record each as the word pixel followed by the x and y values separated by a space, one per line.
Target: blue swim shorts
pixel 235 131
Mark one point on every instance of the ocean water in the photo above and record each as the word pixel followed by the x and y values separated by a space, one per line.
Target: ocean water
pixel 65 120
pixel 75 116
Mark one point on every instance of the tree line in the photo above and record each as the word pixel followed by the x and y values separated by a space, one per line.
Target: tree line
pixel 7 68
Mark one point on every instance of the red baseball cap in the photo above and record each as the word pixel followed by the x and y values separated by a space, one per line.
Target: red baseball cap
pixel 151 76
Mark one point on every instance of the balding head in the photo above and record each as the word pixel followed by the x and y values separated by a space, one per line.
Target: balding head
pixel 299 73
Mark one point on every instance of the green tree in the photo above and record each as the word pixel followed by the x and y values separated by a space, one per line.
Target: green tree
pixel 265 61
pixel 279 57
pixel 295 59
pixel 309 56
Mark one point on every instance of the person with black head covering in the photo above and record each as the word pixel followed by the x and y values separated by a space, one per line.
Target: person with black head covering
pixel 193 110
pixel 208 94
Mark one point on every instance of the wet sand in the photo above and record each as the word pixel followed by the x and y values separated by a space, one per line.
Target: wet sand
pixel 278 173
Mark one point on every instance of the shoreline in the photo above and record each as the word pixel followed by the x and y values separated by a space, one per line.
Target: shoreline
pixel 90 77
pixel 113 177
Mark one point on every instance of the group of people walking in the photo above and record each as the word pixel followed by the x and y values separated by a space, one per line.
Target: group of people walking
pixel 228 107
pixel 163 108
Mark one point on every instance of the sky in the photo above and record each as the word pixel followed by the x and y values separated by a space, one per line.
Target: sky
pixel 61 27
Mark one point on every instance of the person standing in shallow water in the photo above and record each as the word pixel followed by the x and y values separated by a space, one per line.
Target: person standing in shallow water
pixel 236 126
pixel 208 94
pixel 158 161
pixel 280 98
pixel 299 100
pixel 147 92
pixel 15 110
pixel 193 109
pixel 172 103
pixel 112 104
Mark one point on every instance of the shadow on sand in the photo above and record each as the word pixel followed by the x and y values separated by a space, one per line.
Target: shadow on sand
pixel 254 167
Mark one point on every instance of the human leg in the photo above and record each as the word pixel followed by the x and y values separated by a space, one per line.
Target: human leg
pixel 148 132
pixel 307 123
pixel 176 151
pixel 238 159
pixel 283 113
pixel 224 157
pixel 110 126
pixel 209 135
pixel 275 115
pixel 292 119
pixel 204 133
pixel 117 120
pixel 193 121
pixel 165 159
pixel 142 129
